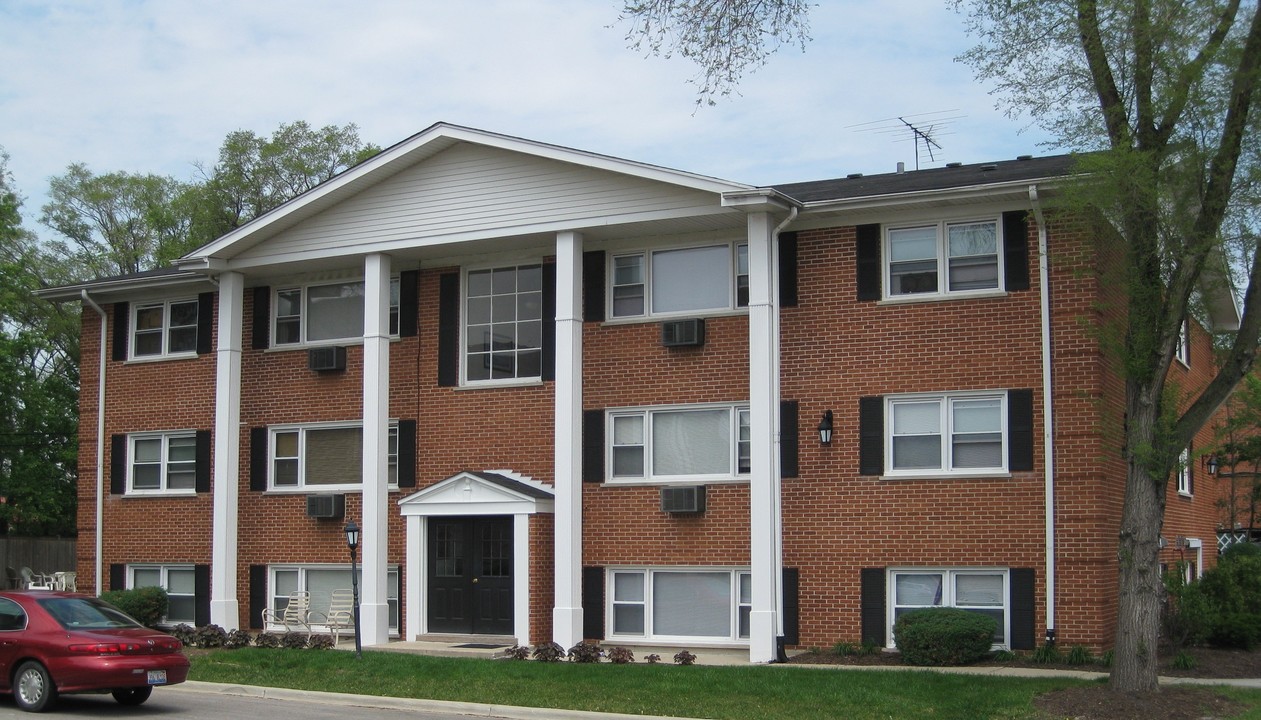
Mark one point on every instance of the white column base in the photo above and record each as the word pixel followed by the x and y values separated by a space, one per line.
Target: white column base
pixel 762 635
pixel 225 614
pixel 374 624
pixel 567 626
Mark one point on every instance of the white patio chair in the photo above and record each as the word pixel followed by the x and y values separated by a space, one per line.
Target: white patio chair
pixel 340 617
pixel 35 581
pixel 295 616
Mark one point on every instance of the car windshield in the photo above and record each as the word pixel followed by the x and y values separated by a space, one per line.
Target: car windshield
pixel 80 613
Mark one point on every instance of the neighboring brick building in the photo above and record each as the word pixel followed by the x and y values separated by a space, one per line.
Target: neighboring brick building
pixel 585 396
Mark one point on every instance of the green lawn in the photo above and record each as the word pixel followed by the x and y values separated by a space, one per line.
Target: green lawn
pixel 698 691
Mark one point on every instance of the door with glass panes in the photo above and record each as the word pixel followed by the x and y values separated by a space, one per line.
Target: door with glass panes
pixel 470 575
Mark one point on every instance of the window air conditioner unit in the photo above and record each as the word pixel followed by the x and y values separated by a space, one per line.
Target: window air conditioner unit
pixel 323 359
pixel 689 499
pixel 683 333
pixel 326 506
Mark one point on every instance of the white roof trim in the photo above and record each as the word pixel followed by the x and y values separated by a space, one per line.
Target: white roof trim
pixel 467 493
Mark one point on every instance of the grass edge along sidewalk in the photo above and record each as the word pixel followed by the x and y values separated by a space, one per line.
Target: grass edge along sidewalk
pixel 726 693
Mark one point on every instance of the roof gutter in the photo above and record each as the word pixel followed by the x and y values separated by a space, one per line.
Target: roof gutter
pixel 100 441
pixel 885 200
pixel 1048 445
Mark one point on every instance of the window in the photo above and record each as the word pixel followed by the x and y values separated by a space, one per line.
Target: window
pixel 702 604
pixel 164 329
pixel 324 457
pixel 679 280
pixel 679 443
pixel 943 258
pixel 12 616
pixel 958 433
pixel 320 581
pixel 1183 351
pixel 179 583
pixel 503 330
pixel 1184 472
pixel 980 591
pixel 321 313
pixel 162 463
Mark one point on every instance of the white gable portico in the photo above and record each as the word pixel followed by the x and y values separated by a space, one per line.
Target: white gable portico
pixel 471 497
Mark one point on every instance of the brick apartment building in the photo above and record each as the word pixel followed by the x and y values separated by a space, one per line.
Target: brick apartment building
pixel 571 396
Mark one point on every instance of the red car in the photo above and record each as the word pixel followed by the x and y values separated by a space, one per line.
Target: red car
pixel 59 642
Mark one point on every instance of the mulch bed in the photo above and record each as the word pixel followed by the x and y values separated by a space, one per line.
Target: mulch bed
pixel 1098 702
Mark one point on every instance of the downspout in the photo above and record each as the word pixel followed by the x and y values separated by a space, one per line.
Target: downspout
pixel 1048 445
pixel 781 656
pixel 100 438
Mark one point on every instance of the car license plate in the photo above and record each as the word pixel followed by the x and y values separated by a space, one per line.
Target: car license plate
pixel 157 677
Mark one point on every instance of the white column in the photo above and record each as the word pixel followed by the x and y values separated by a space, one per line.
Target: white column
pixel 224 609
pixel 567 613
pixel 764 507
pixel 374 611
pixel 414 572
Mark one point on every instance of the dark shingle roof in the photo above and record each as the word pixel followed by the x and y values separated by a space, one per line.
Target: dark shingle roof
pixel 944 178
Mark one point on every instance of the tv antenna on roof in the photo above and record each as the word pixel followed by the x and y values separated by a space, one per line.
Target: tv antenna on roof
pixel 921 129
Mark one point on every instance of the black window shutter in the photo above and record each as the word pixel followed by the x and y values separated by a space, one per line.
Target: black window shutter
pixel 205 322
pixel 788 434
pixel 258 458
pixel 201 595
pixel 202 482
pixel 122 317
pixel 258 595
pixel 1020 430
pixel 1022 609
pixel 792 614
pixel 1016 250
pixel 873 609
pixel 449 330
pixel 593 446
pixel 262 318
pixel 1190 469
pixel 788 269
pixel 871 435
pixel 869 269
pixel 593 286
pixel 549 322
pixel 408 303
pixel 118 464
pixel 117 576
pixel 407 453
pixel 593 603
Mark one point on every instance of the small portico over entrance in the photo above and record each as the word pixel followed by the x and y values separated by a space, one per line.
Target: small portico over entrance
pixel 468 554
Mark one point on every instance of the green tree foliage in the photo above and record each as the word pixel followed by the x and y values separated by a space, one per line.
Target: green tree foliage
pixel 1239 456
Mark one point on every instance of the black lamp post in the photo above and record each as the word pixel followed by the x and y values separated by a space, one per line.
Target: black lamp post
pixel 352 542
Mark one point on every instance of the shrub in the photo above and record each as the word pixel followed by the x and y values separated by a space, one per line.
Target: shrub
pixel 943 636
pixel 293 641
pixel 267 640
pixel 549 652
pixel 1003 656
pixel 1232 591
pixel 1106 658
pixel 1241 550
pixel 1047 654
pixel 518 652
pixel 1184 661
pixel 684 657
pixel 320 642
pixel 585 653
pixel 1187 616
pixel 620 655
pixel 237 639
pixel 209 636
pixel 845 649
pixel 184 633
pixel 148 605
pixel 1079 655
pixel 869 648
pixel 1236 630
pixel 652 659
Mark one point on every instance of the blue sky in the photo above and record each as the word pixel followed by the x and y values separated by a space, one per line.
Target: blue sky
pixel 155 86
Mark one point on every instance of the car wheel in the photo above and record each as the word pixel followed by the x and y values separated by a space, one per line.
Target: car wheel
pixel 33 688
pixel 132 696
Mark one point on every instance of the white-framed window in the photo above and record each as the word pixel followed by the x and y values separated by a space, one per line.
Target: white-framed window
pixel 956 433
pixel 1183 351
pixel 503 324
pixel 980 590
pixel 179 583
pixel 683 604
pixel 320 581
pixel 162 462
pixel 679 281
pixel 1184 472
pixel 323 456
pixel 164 329
pixel 320 313
pixel 943 258
pixel 689 443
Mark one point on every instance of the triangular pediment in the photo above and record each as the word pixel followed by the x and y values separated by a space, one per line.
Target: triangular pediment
pixel 479 493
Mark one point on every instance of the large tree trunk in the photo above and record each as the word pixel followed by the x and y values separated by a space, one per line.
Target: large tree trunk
pixel 1141 589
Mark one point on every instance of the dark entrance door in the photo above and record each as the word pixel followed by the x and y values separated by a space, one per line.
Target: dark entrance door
pixel 470 575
